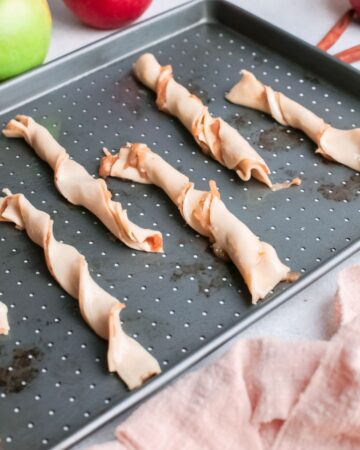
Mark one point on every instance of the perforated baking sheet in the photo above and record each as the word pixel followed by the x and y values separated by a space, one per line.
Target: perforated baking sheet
pixel 54 383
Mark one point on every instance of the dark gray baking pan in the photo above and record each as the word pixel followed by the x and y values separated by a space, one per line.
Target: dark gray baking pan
pixel 183 304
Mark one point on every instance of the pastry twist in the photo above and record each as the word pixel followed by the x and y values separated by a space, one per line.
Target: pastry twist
pixel 257 261
pixel 80 188
pixel 4 323
pixel 215 136
pixel 342 146
pixel 99 309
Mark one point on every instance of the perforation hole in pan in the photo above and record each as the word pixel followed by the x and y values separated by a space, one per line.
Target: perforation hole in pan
pixel 178 301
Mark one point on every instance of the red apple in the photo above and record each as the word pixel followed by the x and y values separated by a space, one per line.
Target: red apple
pixel 107 14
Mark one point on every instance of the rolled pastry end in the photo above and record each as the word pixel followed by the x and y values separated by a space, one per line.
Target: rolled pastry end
pixel 342 146
pixel 140 239
pixel 249 92
pixel 267 275
pixel 155 243
pixel 252 168
pixel 106 163
pixel 248 168
pixel 4 322
pixel 125 164
pixel 126 356
pixel 17 128
pixel 147 70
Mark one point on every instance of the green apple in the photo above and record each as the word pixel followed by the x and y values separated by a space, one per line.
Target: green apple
pixel 25 31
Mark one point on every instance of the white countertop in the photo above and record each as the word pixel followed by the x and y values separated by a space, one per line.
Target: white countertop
pixel 309 314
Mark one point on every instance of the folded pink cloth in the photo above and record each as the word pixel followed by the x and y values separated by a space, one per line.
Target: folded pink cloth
pixel 263 394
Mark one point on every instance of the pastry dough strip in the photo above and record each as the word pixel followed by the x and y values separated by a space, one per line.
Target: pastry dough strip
pixel 99 309
pixel 80 188
pixel 203 211
pixel 342 146
pixel 215 136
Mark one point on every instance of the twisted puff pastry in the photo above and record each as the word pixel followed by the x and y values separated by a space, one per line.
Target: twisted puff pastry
pixel 80 188
pixel 99 309
pixel 215 136
pixel 4 323
pixel 257 261
pixel 342 146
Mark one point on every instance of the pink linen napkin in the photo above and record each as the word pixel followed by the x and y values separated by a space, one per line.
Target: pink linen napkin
pixel 263 394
